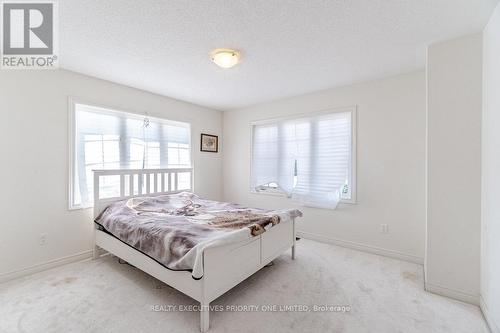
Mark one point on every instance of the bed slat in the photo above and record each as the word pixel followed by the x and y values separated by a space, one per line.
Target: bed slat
pixel 131 180
pixel 122 185
pixel 156 183
pixel 139 183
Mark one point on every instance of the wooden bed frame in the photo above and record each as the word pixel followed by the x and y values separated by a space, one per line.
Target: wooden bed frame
pixel 224 266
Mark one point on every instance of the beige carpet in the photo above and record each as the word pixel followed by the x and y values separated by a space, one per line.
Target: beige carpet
pixel 385 295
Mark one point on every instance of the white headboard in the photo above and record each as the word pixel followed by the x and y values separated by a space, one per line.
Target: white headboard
pixel 127 183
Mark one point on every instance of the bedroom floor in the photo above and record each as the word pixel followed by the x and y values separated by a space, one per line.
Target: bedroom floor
pixel 385 295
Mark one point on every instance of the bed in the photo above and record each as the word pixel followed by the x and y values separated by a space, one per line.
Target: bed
pixel 203 271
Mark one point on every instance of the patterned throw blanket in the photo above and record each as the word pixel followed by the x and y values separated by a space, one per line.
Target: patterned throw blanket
pixel 175 229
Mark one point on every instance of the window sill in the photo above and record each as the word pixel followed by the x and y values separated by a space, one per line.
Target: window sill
pixel 281 194
pixel 71 208
pixel 270 192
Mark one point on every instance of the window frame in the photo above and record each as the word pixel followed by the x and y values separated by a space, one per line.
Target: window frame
pixel 353 172
pixel 72 102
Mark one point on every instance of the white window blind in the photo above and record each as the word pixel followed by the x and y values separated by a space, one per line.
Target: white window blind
pixel 107 139
pixel 308 158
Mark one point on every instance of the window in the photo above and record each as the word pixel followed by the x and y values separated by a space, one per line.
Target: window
pixel 310 158
pixel 108 139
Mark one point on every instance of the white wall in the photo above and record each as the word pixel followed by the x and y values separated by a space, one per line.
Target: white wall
pixel 391 165
pixel 454 167
pixel 34 159
pixel 490 241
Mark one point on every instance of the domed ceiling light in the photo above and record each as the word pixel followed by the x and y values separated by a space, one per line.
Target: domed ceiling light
pixel 225 58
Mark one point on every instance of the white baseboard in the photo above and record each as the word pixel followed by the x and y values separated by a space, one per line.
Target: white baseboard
pixel 362 247
pixel 494 328
pixel 45 265
pixel 452 293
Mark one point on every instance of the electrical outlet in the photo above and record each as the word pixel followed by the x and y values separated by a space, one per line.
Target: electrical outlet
pixel 384 228
pixel 42 239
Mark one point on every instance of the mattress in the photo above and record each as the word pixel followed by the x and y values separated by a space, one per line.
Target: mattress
pixel 175 229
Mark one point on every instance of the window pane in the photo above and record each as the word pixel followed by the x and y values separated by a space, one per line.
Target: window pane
pixel 110 186
pixel 135 164
pixel 93 152
pixel 184 157
pixel 173 157
pixel 136 151
pixel 111 151
pixel 183 181
pixel 152 155
pixel 111 137
pixel 90 137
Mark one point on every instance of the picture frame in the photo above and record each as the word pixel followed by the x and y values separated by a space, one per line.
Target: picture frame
pixel 209 143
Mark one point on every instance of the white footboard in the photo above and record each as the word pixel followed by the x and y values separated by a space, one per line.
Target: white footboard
pixel 226 266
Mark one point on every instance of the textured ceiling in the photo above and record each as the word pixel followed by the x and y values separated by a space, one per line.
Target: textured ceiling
pixel 289 47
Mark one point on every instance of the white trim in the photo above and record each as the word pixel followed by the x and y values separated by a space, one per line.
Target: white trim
pixel 305 115
pixel 112 172
pixel 452 293
pixel 108 110
pixel 494 328
pixel 362 247
pixel 354 155
pixel 45 266
pixel 71 153
pixel 125 110
pixel 354 158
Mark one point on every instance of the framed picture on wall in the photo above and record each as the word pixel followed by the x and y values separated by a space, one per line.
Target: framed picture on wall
pixel 209 143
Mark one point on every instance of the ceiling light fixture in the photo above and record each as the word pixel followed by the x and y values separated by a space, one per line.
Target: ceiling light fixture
pixel 225 58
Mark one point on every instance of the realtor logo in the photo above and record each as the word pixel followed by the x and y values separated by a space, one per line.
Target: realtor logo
pixel 29 35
